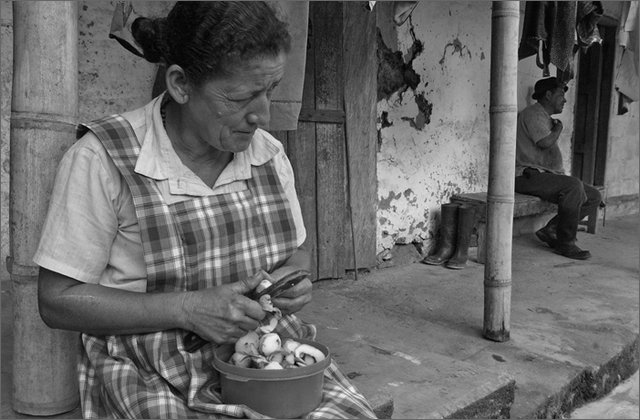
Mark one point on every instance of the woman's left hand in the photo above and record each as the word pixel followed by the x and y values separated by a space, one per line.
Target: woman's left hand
pixel 294 299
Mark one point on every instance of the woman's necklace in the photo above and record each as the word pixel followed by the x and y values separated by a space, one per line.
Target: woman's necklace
pixel 163 112
pixel 206 172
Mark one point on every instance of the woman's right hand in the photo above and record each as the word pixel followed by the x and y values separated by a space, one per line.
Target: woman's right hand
pixel 222 314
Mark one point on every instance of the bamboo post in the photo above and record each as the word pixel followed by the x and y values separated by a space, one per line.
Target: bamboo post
pixel 44 111
pixel 500 196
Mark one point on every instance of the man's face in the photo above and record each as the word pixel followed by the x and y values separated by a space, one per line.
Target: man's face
pixel 556 99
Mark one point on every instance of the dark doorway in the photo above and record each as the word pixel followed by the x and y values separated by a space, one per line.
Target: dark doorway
pixel 593 102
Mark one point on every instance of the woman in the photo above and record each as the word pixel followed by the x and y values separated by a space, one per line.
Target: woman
pixel 160 218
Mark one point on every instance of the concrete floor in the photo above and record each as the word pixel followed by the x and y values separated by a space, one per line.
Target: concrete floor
pixel 410 336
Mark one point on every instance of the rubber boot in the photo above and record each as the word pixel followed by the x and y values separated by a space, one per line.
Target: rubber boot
pixel 446 244
pixel 548 233
pixel 466 219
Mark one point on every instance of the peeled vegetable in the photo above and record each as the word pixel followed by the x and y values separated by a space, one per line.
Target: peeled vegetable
pixel 263 285
pixel 303 351
pixel 264 349
pixel 248 343
pixel 272 354
pixel 273 366
pixel 290 345
pixel 241 359
pixel 269 343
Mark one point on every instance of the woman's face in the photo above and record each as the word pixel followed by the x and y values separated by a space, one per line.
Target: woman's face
pixel 225 112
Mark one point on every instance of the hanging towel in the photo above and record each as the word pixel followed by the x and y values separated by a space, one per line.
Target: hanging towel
pixel 629 29
pixel 550 31
pixel 402 11
pixel 534 29
pixel 563 35
pixel 627 80
pixel 287 98
pixel 588 14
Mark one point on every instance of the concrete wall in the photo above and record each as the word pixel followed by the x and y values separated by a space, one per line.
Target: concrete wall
pixel 434 128
pixel 434 136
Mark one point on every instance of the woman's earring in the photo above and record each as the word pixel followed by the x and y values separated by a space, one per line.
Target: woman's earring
pixel 183 98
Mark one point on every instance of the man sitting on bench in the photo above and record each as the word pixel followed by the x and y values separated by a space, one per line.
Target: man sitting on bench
pixel 539 170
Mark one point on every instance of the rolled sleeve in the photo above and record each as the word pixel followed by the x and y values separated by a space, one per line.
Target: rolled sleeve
pixel 81 222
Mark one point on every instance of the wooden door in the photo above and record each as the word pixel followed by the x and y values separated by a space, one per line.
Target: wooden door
pixel 333 151
pixel 593 100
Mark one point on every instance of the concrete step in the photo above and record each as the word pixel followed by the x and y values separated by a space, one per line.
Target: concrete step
pixel 380 350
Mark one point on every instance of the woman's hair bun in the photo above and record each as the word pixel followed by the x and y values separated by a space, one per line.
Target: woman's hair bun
pixel 150 36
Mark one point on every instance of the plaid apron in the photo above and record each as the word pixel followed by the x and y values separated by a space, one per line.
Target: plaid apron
pixel 199 243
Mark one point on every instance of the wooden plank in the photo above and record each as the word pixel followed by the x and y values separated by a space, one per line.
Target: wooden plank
pixel 360 81
pixel 524 204
pixel 582 126
pixel 302 152
pixel 322 115
pixel 330 148
pixel 608 60
pixel 591 86
pixel 301 149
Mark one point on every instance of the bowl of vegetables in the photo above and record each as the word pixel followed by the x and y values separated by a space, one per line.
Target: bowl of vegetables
pixel 276 377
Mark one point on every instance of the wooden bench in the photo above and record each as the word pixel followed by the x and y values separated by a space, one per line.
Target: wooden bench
pixel 524 205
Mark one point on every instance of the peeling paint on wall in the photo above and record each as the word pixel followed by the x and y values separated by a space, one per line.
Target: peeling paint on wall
pixel 457 47
pixel 394 75
pixel 385 203
pixel 433 136
pixel 384 121
pixel 424 112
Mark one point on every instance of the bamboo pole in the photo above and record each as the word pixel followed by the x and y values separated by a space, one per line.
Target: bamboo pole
pixel 44 111
pixel 500 196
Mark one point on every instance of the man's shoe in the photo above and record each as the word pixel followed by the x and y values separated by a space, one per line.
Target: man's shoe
pixel 572 251
pixel 547 237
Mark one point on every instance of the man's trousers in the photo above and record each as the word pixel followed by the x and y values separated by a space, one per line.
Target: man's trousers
pixel 574 198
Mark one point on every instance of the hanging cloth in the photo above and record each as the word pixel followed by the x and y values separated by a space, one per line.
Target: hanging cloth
pixel 286 101
pixel 627 80
pixel 553 30
pixel 588 13
pixel 549 33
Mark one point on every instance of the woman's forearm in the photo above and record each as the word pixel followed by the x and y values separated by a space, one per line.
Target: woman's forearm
pixel 68 304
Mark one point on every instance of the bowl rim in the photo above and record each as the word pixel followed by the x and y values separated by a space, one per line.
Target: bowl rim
pixel 244 374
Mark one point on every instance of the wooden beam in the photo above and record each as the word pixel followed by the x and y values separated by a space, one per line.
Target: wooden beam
pixel 301 149
pixel 360 92
pixel 335 116
pixel 330 145
pixel 44 111
pixel 500 194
